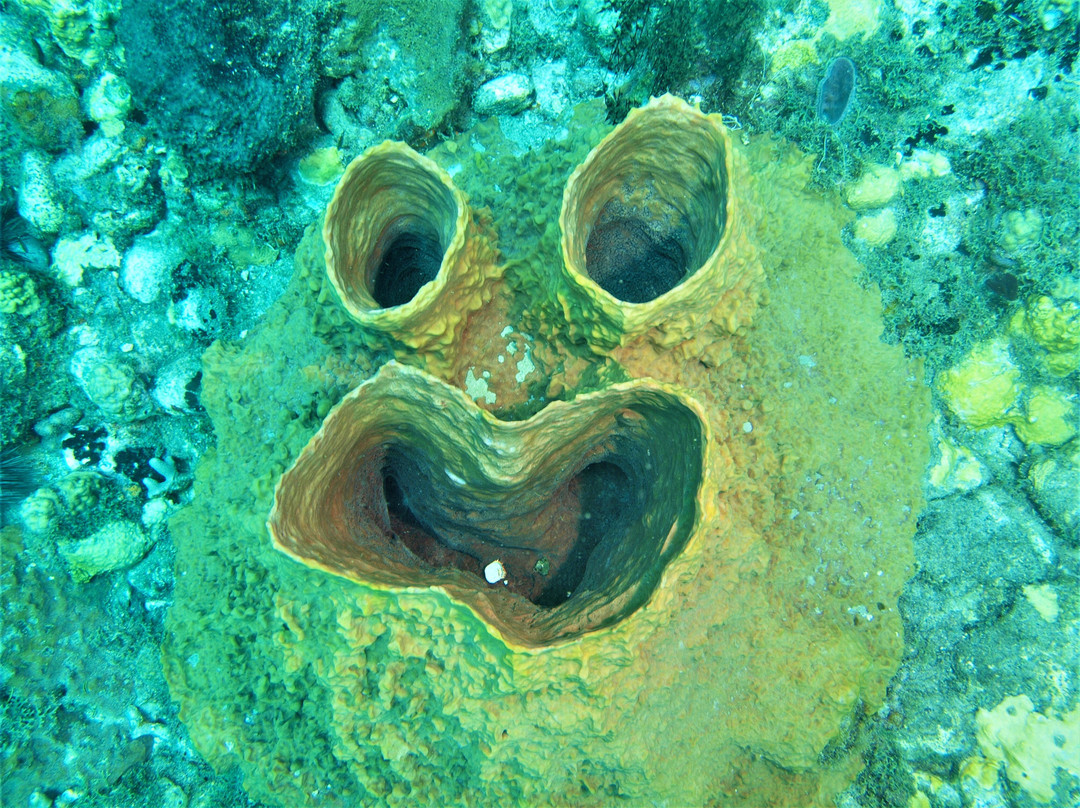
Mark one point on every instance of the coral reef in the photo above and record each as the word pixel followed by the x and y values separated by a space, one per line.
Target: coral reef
pixel 398 71
pixel 748 650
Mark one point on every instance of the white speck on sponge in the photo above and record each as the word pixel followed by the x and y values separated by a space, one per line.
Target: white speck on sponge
pixel 494 572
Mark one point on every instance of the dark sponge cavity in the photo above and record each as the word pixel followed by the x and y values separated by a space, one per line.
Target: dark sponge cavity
pixel 633 260
pixel 230 83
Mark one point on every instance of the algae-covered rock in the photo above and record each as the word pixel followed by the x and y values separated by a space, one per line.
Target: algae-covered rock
pixel 40 511
pixel 18 293
pixel 39 195
pixel 108 102
pixel 1055 326
pixel 72 257
pixel 42 103
pixel 1055 479
pixel 80 27
pixel 725 495
pixel 403 66
pixel 115 546
pixel 187 64
pixel 111 384
pixel 984 389
pixel 1031 746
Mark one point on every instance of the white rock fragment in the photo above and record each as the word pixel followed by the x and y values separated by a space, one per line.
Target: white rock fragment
pixel 72 256
pixel 108 102
pixel 155 512
pixel 148 265
pixel 504 95
pixel 495 572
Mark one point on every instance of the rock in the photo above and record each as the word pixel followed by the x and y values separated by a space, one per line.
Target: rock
pixel 876 229
pixel 41 102
pixel 108 102
pixel 148 265
pixel 39 196
pixel 201 311
pixel 188 63
pixel 552 89
pixel 177 384
pixel 494 17
pixel 877 186
pixel 505 95
pixel 72 256
pixel 111 384
pixel 1055 479
pixel 116 546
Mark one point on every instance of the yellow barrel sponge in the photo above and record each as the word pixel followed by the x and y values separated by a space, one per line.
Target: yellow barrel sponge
pixel 676 583
pixel 984 388
pixel 654 229
pixel 406 255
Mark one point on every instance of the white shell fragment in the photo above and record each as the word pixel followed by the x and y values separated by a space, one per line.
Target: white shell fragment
pixel 494 572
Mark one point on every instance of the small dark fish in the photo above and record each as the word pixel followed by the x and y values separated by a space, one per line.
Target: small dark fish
pixel 836 91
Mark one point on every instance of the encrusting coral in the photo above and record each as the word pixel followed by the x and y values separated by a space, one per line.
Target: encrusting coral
pixel 699 470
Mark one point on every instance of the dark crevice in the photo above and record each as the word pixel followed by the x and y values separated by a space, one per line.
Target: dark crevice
pixel 412 259
pixel 594 510
pixel 632 258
